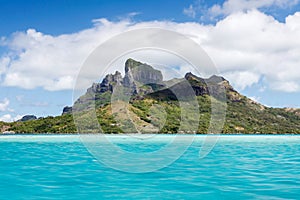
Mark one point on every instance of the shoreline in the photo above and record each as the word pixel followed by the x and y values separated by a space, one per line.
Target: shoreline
pixel 160 134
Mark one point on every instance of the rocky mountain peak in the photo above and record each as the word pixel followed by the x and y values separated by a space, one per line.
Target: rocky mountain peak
pixel 140 72
pixel 216 79
pixel 107 83
pixel 67 110
pixel 212 79
pixel 190 77
pixel 27 118
pixel 142 79
pixel 130 64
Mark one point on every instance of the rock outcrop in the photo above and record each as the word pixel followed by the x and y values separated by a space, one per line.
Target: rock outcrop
pixel 142 73
pixel 141 102
pixel 67 110
pixel 107 84
pixel 141 79
pixel 27 118
pixel 137 80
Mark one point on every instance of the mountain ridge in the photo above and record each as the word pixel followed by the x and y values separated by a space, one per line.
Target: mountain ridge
pixel 144 88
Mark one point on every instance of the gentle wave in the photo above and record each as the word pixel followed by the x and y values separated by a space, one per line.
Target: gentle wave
pixel 238 167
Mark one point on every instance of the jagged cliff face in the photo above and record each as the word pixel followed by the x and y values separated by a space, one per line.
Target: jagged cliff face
pixel 153 107
pixel 141 73
pixel 107 84
pixel 142 79
pixel 136 74
pixel 137 80
pixel 144 87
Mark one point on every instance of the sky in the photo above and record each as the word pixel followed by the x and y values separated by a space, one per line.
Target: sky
pixel 254 44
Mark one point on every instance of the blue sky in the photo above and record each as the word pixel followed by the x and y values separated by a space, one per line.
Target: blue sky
pixel 267 71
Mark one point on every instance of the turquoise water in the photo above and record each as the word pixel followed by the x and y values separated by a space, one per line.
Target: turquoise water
pixel 239 167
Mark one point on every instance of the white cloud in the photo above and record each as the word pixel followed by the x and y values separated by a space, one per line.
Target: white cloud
pixel 199 7
pixel 9 118
pixel 258 44
pixel 233 6
pixel 256 99
pixel 190 11
pixel 4 105
pixel 6 118
pixel 52 62
pixel 289 86
pixel 244 45
pixel 242 79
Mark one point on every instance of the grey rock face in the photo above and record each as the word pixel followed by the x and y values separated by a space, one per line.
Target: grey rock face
pixel 135 82
pixel 142 73
pixel 67 110
pixel 107 83
pixel 28 118
pixel 136 74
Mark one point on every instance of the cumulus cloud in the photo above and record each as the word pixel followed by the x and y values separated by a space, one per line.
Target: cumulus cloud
pixel 288 86
pixel 256 44
pixel 10 118
pixel 242 79
pixel 232 6
pixel 190 11
pixel 52 62
pixel 228 7
pixel 245 46
pixel 4 105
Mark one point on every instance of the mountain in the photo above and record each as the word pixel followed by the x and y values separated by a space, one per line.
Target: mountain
pixel 27 118
pixel 143 102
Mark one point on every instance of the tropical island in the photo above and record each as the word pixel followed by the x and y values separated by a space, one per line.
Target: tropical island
pixel 146 87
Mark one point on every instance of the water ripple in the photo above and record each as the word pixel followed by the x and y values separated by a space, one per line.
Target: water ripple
pixel 239 167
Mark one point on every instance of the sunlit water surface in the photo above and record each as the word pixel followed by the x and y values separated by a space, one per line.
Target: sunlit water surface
pixel 239 167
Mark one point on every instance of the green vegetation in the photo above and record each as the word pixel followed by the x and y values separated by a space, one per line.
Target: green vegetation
pixel 59 124
pixel 159 116
pixel 252 118
pixel 154 108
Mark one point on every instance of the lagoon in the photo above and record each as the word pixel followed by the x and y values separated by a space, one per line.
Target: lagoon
pixel 238 167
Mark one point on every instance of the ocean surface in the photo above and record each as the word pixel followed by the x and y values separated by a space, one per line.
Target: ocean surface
pixel 238 167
